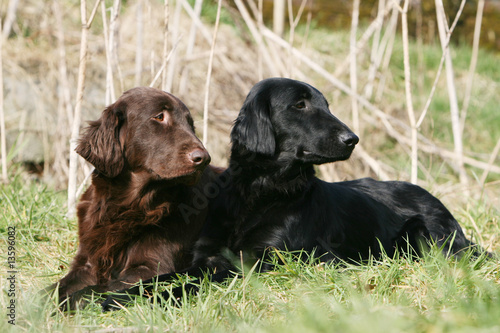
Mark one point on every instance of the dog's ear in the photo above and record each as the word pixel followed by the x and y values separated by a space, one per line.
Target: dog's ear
pixel 100 143
pixel 253 128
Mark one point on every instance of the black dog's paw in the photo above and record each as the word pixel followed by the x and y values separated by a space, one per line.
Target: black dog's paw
pixel 79 299
pixel 116 301
pixel 119 299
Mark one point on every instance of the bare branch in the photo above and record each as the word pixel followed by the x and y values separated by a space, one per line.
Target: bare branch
pixel 209 73
pixel 10 17
pixel 353 65
pixel 454 113
pixel 473 63
pixel 165 46
pixel 75 132
pixel 409 101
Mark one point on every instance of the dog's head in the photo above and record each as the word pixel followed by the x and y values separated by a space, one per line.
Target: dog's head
pixel 145 130
pixel 289 119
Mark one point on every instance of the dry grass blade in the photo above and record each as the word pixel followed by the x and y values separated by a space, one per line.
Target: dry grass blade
pixel 209 73
pixel 172 61
pixel 493 157
pixel 473 62
pixel 139 43
pixel 376 54
pixel 354 65
pixel 190 45
pixel 279 17
pixel 257 36
pixel 73 158
pixel 452 92
pixel 372 28
pixel 409 100
pixel 293 24
pixel 165 46
pixel 109 67
pixel 9 18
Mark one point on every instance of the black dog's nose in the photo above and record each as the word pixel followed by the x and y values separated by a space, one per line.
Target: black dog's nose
pixel 199 156
pixel 349 139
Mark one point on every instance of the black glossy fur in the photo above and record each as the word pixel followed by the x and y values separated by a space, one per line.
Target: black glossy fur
pixel 269 196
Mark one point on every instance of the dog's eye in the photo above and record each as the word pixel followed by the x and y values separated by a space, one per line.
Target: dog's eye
pixel 159 117
pixel 300 105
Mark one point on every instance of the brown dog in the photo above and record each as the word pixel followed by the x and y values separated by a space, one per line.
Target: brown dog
pixel 145 207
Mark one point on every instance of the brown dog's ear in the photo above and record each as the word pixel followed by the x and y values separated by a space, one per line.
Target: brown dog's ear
pixel 100 143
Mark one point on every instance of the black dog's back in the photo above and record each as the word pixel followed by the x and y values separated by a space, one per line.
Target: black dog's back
pixel 345 220
pixel 421 210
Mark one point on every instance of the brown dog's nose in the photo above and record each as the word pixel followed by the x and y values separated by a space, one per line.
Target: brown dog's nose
pixel 199 157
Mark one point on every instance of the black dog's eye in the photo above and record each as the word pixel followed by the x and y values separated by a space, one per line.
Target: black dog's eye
pixel 300 105
pixel 159 117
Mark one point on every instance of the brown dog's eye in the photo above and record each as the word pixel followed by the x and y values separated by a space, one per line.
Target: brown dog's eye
pixel 159 117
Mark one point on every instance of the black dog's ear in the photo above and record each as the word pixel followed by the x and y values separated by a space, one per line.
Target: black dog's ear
pixel 253 128
pixel 100 143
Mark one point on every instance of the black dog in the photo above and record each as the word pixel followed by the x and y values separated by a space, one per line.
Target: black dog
pixel 270 198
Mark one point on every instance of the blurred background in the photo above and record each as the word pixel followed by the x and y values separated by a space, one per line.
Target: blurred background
pixel 418 81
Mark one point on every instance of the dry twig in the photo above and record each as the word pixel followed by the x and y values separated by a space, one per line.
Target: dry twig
pixel 354 65
pixel 473 62
pixel 450 80
pixel 409 101
pixel 75 131
pixel 209 73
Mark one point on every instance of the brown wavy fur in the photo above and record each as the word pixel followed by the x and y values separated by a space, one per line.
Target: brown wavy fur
pixel 142 212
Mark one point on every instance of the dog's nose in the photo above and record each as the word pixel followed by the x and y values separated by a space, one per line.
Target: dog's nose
pixel 349 139
pixel 199 157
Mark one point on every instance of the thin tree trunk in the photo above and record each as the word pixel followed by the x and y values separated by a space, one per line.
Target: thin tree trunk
pixel 139 43
pixel 190 45
pixel 209 73
pixel 257 35
pixel 293 24
pixel 65 115
pixel 260 22
pixel 409 102
pixel 353 66
pixel 374 56
pixel 493 157
pixel 279 17
pixel 109 66
pixel 75 130
pixel 10 18
pixel 450 80
pixel 388 42
pixel 363 40
pixel 113 45
pixel 172 62
pixel 473 63
pixel 165 45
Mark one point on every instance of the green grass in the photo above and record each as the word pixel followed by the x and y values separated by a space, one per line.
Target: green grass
pixel 393 295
